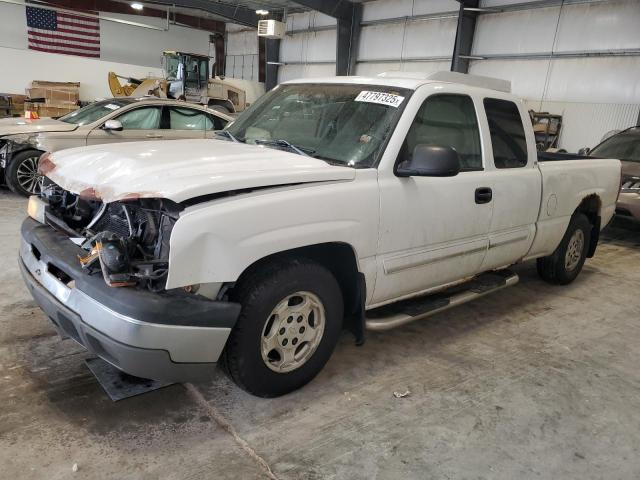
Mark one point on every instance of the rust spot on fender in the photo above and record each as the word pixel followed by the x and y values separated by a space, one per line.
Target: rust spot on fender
pixel 46 165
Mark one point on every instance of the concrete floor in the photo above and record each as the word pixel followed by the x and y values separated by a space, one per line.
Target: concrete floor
pixel 534 381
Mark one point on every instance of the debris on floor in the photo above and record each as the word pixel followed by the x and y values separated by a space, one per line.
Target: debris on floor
pixel 406 393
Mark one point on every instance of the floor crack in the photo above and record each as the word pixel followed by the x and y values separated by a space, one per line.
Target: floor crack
pixel 226 425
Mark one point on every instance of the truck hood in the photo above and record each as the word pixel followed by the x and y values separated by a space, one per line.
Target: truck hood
pixel 181 169
pixel 12 126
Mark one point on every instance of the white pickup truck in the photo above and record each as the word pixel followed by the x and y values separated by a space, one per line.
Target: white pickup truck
pixel 349 202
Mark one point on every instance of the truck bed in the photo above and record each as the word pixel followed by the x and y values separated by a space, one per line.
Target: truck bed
pixel 555 156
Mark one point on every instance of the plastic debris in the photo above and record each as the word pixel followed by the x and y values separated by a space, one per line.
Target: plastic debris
pixel 74 468
pixel 402 394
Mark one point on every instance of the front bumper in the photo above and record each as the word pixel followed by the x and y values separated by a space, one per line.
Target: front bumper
pixel 629 205
pixel 150 335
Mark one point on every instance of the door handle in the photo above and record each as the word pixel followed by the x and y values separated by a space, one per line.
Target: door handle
pixel 154 135
pixel 483 195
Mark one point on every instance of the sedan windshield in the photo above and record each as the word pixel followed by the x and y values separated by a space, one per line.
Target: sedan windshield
pixel 342 124
pixel 93 112
pixel 623 146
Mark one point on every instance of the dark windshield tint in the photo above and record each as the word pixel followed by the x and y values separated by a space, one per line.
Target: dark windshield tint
pixel 623 146
pixel 348 124
pixel 93 112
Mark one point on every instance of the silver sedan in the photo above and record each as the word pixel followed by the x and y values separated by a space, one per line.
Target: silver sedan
pixel 115 120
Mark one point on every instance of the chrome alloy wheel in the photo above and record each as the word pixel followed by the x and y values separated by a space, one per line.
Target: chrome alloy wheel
pixel 28 176
pixel 574 250
pixel 292 332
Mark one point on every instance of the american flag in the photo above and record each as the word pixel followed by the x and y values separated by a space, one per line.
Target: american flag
pixel 61 32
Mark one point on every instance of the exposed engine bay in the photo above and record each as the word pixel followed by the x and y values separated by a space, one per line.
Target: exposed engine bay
pixel 127 241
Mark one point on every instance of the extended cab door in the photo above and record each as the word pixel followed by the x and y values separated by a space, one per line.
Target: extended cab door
pixel 515 181
pixel 433 230
pixel 138 124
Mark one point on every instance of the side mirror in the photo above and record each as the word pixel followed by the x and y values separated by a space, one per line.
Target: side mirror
pixel 430 161
pixel 112 126
pixel 584 151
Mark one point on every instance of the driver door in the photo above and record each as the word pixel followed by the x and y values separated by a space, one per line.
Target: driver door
pixel 138 124
pixel 434 230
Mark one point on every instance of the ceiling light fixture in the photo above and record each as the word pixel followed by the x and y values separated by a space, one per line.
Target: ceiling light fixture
pixel 137 6
pixel 262 12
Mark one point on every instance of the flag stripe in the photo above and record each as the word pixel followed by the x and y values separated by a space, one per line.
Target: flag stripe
pixel 71 38
pixel 66 52
pixel 78 17
pixel 65 45
pixel 86 34
pixel 79 26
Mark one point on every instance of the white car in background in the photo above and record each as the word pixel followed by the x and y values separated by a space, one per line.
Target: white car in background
pixel 115 120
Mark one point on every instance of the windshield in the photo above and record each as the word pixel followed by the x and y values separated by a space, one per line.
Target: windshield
pixel 344 124
pixel 623 146
pixel 93 112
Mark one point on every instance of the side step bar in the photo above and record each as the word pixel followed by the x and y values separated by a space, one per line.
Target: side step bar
pixel 406 311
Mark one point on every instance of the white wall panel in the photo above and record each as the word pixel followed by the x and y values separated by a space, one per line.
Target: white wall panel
pixel 244 42
pixel 381 41
pixel 13 30
pixel 526 31
pixel 308 20
pixel 382 9
pixel 425 38
pixel 291 72
pixel 600 79
pixel 373 69
pixel 612 25
pixel 317 46
pixel 142 46
pixel 90 72
pixel 526 76
pixel 584 124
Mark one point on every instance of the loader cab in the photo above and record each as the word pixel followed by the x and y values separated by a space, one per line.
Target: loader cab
pixel 187 75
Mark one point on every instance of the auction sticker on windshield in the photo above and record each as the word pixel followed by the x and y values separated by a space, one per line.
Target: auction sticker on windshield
pixel 380 97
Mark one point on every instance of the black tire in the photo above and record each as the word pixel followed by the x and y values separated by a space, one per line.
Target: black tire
pixel 13 171
pixel 259 294
pixel 553 269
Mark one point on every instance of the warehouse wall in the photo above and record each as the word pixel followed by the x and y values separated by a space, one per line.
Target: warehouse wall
pixel 125 49
pixel 241 52
pixel 594 91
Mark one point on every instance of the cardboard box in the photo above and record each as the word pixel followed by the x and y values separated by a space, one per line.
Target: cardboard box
pixel 69 86
pixel 54 96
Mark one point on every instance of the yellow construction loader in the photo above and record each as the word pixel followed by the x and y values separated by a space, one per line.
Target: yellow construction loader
pixel 186 77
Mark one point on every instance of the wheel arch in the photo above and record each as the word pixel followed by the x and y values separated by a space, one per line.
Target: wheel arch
pixel 591 206
pixel 223 103
pixel 341 260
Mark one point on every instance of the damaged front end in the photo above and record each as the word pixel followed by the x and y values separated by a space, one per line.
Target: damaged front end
pixel 126 241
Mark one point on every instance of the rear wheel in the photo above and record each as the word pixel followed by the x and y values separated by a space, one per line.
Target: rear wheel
pixel 564 265
pixel 290 322
pixel 22 175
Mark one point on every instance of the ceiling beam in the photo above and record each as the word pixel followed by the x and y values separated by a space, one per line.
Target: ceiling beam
pixel 340 9
pixel 231 13
pixel 107 6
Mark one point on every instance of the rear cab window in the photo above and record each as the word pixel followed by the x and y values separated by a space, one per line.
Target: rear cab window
pixel 508 140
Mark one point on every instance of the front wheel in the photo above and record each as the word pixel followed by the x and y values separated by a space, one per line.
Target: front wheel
pixel 290 322
pixel 564 265
pixel 22 175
